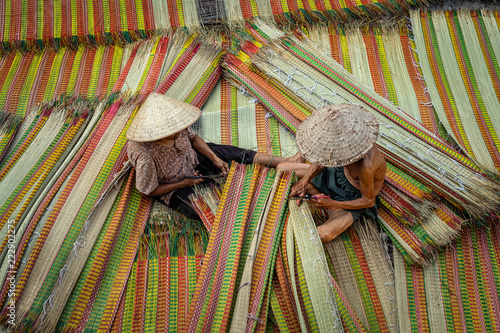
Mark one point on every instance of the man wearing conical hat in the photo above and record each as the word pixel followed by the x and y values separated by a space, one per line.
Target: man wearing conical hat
pixel 169 158
pixel 346 170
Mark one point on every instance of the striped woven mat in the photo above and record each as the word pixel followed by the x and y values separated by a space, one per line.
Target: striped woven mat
pixel 27 79
pixel 307 77
pixel 458 55
pixel 458 291
pixel 42 24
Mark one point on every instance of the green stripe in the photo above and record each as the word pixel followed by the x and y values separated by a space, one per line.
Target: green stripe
pixel 450 324
pixel 304 291
pixel 82 279
pixel 122 242
pixel 128 311
pixel 361 284
pixel 151 297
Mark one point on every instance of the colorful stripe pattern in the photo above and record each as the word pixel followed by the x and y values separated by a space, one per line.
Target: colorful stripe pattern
pixel 239 213
pixel 386 54
pixel 230 116
pixel 46 76
pixel 313 77
pixel 458 53
pixel 163 279
pixel 359 263
pixel 101 160
pixel 39 24
pixel 458 291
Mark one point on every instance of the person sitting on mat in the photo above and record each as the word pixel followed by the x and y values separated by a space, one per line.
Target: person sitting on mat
pixel 168 156
pixel 347 170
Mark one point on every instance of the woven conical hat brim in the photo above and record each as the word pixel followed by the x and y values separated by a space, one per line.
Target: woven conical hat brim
pixel 337 135
pixel 159 117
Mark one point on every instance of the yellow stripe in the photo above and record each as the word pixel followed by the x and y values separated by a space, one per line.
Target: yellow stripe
pixel 74 70
pixel 54 74
pixel 6 86
pixel 96 67
pixel 106 18
pixel 312 4
pixel 90 17
pixel 180 13
pixel 123 16
pixel 40 21
pixel 140 15
pixel 385 66
pixel 57 18
pixel 8 13
pixel 345 50
pixel 115 68
pixel 24 30
pixel 73 18
pixel 284 5
pixel 148 65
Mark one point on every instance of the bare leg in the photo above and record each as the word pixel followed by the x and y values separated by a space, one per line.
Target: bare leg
pixel 273 161
pixel 299 168
pixel 336 224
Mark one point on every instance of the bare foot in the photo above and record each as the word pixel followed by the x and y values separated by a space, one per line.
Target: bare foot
pixel 338 222
pixel 297 158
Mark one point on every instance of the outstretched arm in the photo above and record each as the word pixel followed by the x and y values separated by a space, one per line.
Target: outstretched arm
pixel 201 146
pixel 166 188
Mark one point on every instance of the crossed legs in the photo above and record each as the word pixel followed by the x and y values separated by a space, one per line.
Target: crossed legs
pixel 338 220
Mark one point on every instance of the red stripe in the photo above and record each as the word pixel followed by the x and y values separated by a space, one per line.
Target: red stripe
pixel 31 20
pixel 370 284
pixel 141 289
pixel 17 83
pixel 163 295
pixel 123 75
pixel 423 97
pixel 177 69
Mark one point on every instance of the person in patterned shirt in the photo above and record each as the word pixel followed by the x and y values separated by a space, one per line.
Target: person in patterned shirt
pixel 166 152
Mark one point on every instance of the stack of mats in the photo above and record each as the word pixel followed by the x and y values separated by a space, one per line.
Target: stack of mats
pixel 307 79
pixel 27 79
pixel 458 53
pixel 191 14
pixel 101 219
pixel 37 24
pixel 383 58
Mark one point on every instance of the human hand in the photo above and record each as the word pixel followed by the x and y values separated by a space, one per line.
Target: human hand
pixel 190 181
pixel 223 166
pixel 299 189
pixel 323 201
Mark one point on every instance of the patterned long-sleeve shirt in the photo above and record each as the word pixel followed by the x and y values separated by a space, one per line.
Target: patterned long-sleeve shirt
pixel 156 164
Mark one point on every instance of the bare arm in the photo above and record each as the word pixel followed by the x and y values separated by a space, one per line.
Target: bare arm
pixel 201 146
pixel 300 187
pixel 166 188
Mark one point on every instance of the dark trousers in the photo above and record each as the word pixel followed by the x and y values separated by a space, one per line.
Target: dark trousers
pixel 180 201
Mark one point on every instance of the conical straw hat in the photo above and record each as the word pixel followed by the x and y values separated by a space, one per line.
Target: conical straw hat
pixel 159 117
pixel 337 135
